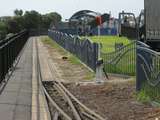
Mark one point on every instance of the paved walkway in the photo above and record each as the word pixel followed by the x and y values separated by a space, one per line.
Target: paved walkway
pixel 22 99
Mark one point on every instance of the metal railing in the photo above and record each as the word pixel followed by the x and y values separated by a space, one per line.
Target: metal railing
pixel 85 50
pixel 9 51
pixel 122 61
pixel 148 72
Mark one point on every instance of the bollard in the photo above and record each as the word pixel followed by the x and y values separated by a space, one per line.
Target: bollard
pixel 99 71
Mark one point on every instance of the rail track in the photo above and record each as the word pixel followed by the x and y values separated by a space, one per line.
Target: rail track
pixel 63 105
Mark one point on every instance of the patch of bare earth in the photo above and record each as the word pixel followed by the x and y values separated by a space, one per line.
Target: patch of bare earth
pixel 68 71
pixel 114 101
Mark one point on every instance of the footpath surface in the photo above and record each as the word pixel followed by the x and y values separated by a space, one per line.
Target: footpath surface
pixel 23 97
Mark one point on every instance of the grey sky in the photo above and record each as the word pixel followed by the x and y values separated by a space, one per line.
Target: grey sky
pixel 67 7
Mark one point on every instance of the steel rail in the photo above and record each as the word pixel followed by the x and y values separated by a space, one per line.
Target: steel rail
pixel 82 105
pixel 45 91
pixel 75 112
pixel 68 96
pixel 98 117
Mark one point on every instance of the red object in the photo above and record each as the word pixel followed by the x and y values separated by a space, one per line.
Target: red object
pixel 99 20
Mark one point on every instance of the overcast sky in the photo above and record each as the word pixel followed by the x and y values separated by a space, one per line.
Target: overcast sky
pixel 67 7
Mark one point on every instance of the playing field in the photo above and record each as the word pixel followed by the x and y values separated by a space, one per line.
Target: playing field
pixel 108 42
pixel 125 65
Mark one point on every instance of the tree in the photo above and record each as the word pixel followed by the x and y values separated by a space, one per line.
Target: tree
pixel 49 18
pixel 18 12
pixel 21 22
pixel 13 26
pixel 3 30
pixel 55 18
pixel 32 19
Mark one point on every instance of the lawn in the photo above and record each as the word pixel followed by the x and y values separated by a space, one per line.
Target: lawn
pixel 126 65
pixel 108 42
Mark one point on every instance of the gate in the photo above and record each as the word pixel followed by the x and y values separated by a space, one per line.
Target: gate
pixel 122 61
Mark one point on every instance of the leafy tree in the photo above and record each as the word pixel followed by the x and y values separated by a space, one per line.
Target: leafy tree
pixel 21 22
pixel 18 12
pixel 3 30
pixel 32 19
pixel 13 26
pixel 28 20
pixel 52 17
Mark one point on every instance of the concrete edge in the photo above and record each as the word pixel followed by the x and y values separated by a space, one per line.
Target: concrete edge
pixel 37 111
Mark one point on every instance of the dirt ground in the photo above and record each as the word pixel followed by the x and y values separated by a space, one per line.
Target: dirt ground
pixel 69 72
pixel 112 100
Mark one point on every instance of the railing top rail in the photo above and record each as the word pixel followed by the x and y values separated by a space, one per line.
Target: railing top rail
pixel 147 50
pixel 116 51
pixel 6 40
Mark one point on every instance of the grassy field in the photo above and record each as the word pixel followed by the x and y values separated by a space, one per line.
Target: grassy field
pixel 108 42
pixel 126 64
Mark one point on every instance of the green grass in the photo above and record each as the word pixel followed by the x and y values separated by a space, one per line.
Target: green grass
pixel 71 58
pixel 143 97
pixel 108 42
pixel 89 76
pixel 74 60
pixel 126 65
pixel 149 93
pixel 53 44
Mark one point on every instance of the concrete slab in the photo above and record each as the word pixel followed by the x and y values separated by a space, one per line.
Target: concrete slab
pixel 44 57
pixel 22 112
pixel 13 87
pixel 39 105
pixel 8 98
pixel 7 111
pixel 24 99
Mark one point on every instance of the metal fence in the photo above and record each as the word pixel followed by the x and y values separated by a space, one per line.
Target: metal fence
pixel 148 70
pixel 85 50
pixel 9 50
pixel 122 61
